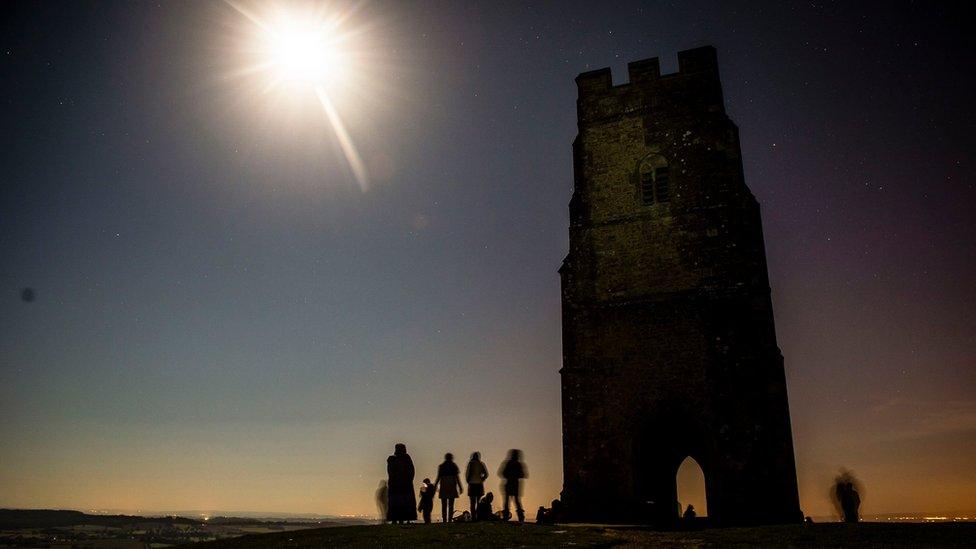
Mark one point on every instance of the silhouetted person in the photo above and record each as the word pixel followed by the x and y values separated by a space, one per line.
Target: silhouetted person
pixel 382 500
pixel 690 513
pixel 556 511
pixel 475 474
pixel 485 512
pixel 542 516
pixel 426 506
pixel 513 471
pixel 402 500
pixel 449 480
pixel 846 493
pixel 850 500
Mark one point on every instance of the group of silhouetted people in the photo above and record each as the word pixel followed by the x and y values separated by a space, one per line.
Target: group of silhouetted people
pixel 397 500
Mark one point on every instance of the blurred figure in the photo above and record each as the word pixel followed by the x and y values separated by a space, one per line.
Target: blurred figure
pixel 847 498
pixel 426 506
pixel 382 498
pixel 449 480
pixel 689 513
pixel 475 474
pixel 485 512
pixel 513 471
pixel 850 501
pixel 402 500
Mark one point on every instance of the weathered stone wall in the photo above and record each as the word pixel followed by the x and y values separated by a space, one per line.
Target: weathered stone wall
pixel 668 337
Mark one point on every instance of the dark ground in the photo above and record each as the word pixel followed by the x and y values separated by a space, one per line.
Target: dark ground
pixel 65 528
pixel 529 535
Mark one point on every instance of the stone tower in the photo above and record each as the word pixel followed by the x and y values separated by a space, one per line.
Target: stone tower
pixel 669 348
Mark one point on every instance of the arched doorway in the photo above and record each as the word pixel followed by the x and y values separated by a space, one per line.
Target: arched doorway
pixel 691 487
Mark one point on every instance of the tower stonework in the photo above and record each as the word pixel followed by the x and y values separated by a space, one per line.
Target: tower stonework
pixel 669 347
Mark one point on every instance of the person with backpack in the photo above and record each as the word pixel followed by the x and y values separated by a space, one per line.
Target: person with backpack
pixel 475 474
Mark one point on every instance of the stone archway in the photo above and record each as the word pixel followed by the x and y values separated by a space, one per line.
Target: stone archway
pixel 690 483
pixel 662 454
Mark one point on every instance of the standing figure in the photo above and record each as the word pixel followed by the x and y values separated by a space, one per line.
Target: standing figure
pixel 382 500
pixel 475 474
pixel 513 471
pixel 690 513
pixel 449 479
pixel 402 500
pixel 426 499
pixel 850 501
pixel 846 494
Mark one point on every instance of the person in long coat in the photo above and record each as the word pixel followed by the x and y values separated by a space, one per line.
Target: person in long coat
pixel 449 479
pixel 403 502
pixel 475 474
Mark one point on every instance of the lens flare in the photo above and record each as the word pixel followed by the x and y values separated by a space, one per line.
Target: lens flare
pixel 301 52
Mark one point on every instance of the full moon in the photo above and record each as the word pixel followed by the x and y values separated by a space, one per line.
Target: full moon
pixel 301 52
pixel 305 53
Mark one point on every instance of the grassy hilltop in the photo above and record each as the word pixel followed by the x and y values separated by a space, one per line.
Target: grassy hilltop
pixel 530 535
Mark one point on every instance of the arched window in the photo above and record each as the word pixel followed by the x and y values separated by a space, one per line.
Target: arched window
pixel 655 182
pixel 691 487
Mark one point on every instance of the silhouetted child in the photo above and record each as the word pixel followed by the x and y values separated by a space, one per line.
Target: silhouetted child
pixel 426 500
pixel 690 513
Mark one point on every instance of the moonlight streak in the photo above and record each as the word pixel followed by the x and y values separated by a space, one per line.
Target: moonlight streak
pixel 301 49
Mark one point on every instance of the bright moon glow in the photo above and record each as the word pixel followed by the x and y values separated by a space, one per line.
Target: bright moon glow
pixel 302 50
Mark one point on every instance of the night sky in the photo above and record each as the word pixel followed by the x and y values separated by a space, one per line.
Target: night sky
pixel 223 318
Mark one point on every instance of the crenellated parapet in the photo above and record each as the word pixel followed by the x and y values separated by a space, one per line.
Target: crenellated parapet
pixel 697 78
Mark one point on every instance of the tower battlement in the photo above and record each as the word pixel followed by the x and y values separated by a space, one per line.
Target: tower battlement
pixel 693 61
pixel 697 75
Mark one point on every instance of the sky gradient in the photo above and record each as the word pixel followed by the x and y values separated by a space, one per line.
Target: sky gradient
pixel 225 320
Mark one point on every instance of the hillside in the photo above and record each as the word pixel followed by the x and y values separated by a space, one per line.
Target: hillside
pixel 513 535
